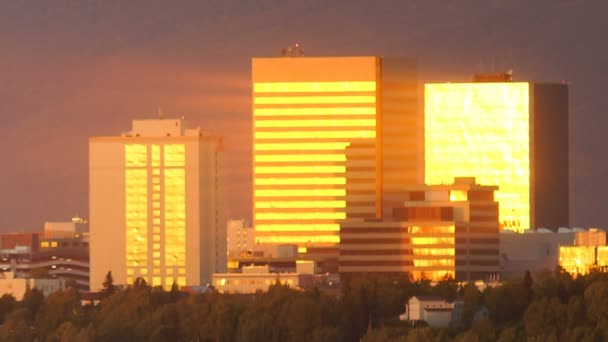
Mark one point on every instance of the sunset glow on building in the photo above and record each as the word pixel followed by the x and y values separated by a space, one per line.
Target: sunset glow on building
pixel 510 134
pixel 155 212
pixel 437 231
pixel 306 111
pixel 481 130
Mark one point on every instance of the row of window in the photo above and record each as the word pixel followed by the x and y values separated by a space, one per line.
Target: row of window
pixel 267 282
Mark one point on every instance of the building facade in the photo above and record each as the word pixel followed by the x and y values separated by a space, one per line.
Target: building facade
pixel 306 111
pixel 258 278
pixel 155 205
pixel 65 258
pixel 588 253
pixel 438 231
pixel 239 238
pixel 510 134
pixel 533 251
pixel 433 310
pixel 17 287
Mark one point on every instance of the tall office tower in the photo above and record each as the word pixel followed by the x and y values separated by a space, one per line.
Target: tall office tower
pixel 155 206
pixel 510 134
pixel 306 111
pixel 437 230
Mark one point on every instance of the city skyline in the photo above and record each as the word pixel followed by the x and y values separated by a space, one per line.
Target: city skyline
pixel 287 170
pixel 115 70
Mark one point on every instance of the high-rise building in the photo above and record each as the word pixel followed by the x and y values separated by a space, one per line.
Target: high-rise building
pixel 436 231
pixel 510 134
pixel 155 206
pixel 306 111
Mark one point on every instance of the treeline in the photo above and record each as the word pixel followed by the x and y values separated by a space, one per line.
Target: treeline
pixel 548 306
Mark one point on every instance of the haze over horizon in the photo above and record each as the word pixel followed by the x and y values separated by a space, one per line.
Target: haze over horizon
pixel 72 70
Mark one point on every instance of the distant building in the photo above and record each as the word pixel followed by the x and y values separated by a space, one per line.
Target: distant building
pixel 18 286
pixel 306 111
pixel 155 205
pixel 589 252
pixel 532 251
pixel 439 230
pixel 78 225
pixel 64 257
pixel 433 310
pixel 258 278
pixel 240 238
pixel 510 134
pixel 25 242
pixel 576 250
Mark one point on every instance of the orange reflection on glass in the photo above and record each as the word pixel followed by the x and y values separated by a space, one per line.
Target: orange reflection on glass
pixel 313 99
pixel 300 192
pixel 314 111
pixel 315 135
pixel 482 130
pixel 301 216
pixel 300 204
pixel 316 123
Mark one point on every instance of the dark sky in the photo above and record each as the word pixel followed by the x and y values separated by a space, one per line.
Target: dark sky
pixel 74 69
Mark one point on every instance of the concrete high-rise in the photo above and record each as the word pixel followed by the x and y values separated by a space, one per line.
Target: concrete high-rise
pixel 155 205
pixel 306 111
pixel 510 134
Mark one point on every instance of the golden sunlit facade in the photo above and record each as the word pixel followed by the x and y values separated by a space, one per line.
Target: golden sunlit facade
pixel 577 260
pixel 588 253
pixel 437 232
pixel 306 111
pixel 482 130
pixel 158 266
pixel 155 210
pixel 302 123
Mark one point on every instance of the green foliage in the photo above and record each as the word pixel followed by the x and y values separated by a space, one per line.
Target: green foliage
pixel 546 306
pixel 7 305
pixel 446 288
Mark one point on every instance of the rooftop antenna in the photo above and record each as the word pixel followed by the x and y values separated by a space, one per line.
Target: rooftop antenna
pixel 292 51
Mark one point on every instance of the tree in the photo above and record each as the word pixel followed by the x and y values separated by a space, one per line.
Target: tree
pixel 60 307
pixel 140 283
pixel 108 285
pixel 174 294
pixel 545 318
pixel 7 305
pixel 596 300
pixel 472 299
pixel 447 288
pixel 32 300
pixel 526 285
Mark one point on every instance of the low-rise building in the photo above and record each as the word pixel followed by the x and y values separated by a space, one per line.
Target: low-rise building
pixel 589 252
pixel 61 257
pixel 433 310
pixel 257 278
pixel 17 287
pixel 533 250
